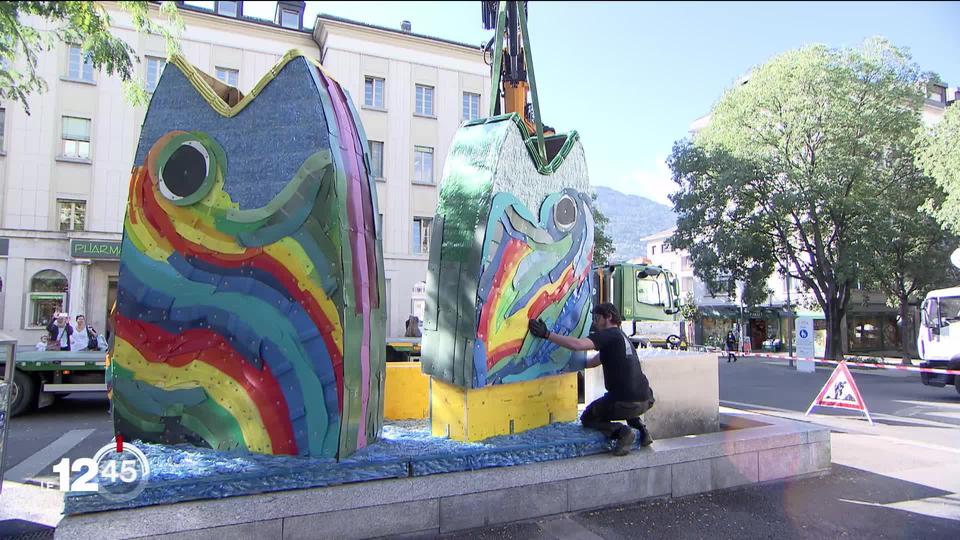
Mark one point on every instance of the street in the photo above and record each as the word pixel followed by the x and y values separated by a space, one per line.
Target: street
pixel 896 479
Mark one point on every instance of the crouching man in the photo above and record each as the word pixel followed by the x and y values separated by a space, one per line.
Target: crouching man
pixel 628 391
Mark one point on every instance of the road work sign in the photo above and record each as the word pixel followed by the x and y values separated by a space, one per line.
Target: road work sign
pixel 841 392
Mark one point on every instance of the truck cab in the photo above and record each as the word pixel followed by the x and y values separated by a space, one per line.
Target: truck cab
pixel 648 298
pixel 939 338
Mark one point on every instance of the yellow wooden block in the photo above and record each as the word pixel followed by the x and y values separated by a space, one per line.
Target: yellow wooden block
pixel 473 415
pixel 406 392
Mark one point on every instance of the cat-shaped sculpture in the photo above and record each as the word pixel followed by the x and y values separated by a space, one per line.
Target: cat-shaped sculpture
pixel 250 310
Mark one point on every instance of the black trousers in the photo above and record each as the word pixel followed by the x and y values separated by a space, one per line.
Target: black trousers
pixel 600 414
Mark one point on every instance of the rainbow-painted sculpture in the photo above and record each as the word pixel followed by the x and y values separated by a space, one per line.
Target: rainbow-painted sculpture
pixel 249 313
pixel 513 236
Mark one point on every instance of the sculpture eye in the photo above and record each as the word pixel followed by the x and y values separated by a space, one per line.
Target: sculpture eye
pixel 185 170
pixel 565 213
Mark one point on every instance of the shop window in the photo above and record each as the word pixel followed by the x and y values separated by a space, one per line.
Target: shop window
pixel 48 294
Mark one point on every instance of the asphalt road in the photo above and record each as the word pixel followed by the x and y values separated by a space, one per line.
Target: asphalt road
pixel 863 497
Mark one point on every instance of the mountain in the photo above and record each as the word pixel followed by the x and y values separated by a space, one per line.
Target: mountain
pixel 631 218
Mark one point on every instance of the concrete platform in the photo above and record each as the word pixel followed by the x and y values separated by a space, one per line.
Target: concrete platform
pixel 749 449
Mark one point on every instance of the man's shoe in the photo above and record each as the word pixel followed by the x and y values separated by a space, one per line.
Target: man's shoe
pixel 625 443
pixel 645 438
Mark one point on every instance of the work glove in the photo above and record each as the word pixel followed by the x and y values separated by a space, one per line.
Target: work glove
pixel 538 328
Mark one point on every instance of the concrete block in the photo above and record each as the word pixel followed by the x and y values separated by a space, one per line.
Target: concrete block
pixel 764 439
pixel 502 506
pixel 691 477
pixel 734 470
pixel 371 521
pixel 822 455
pixel 685 385
pixel 272 528
pixel 617 488
pixel 793 460
pixel 818 435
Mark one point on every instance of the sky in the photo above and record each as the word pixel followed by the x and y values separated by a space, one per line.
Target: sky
pixel 631 77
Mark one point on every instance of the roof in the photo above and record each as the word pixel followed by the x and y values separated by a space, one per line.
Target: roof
pixel 246 18
pixel 334 18
pixel 659 234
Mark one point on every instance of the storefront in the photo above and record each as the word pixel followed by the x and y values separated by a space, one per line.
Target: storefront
pixel 45 272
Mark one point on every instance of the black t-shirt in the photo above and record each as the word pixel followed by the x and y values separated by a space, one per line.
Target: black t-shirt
pixel 622 375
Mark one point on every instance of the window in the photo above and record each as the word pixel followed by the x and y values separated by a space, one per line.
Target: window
pixel 154 70
pixel 687 286
pixel 228 76
pixel 376 159
pixel 666 248
pixel 227 8
pixel 471 106
pixel 423 164
pixel 289 19
pixel 652 289
pixel 3 129
pixel 72 214
pixel 421 234
pixel 48 294
pixel 79 66
pixel 76 137
pixel 653 250
pixel 424 100
pixel 937 93
pixel 373 92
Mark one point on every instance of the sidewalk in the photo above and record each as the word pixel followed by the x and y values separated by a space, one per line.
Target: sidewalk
pixel 872 492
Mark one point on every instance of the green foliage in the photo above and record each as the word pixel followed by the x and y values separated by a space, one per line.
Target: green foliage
pixel 602 243
pixel 939 157
pixel 786 175
pixel 85 24
pixel 689 310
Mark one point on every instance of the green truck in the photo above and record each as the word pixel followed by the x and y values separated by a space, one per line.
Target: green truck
pixel 648 298
pixel 40 376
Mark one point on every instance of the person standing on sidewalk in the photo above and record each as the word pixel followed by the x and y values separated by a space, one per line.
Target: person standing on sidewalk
pixel 628 392
pixel 731 347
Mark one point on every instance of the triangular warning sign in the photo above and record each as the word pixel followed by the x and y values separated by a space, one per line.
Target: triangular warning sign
pixel 841 392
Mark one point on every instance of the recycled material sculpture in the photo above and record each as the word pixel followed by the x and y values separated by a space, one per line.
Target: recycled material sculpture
pixel 514 237
pixel 249 309
pixel 512 240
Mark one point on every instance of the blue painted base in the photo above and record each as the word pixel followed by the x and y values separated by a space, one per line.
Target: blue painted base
pixel 184 473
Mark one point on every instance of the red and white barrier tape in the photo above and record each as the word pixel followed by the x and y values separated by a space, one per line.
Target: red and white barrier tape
pixel 858 364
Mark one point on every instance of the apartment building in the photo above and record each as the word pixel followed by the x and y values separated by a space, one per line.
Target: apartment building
pixel 64 169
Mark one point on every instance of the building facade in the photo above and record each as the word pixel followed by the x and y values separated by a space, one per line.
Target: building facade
pixel 65 168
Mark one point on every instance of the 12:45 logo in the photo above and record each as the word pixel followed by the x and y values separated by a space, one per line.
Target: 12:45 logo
pixel 118 472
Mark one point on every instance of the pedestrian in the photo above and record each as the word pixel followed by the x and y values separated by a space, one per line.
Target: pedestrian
pixel 60 332
pixel 412 327
pixel 628 392
pixel 84 336
pixel 731 347
pixel 42 344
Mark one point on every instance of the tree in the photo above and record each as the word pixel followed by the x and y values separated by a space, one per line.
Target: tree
pixel 939 157
pixel 783 176
pixel 910 251
pixel 86 24
pixel 602 243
